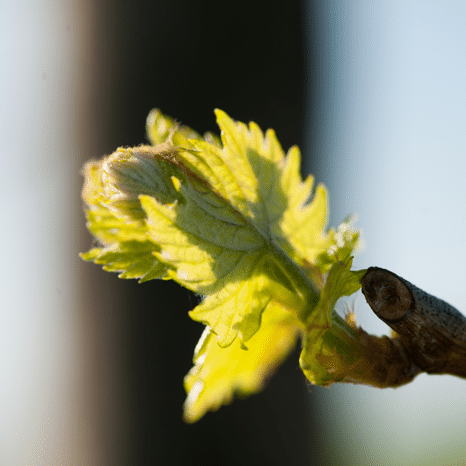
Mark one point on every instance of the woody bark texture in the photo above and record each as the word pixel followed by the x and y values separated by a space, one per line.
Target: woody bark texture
pixel 432 332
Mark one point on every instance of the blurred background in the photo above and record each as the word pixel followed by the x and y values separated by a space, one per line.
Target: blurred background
pixel 92 366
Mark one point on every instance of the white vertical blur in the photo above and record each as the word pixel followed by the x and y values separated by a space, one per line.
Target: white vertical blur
pixel 38 383
pixel 391 146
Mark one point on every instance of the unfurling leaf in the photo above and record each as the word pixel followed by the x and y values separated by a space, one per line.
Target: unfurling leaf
pixel 230 219
pixel 329 345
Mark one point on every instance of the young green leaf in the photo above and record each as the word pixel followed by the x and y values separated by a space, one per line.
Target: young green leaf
pixel 329 345
pixel 231 220
pixel 221 373
pixel 160 128
pixel 124 245
pixel 224 221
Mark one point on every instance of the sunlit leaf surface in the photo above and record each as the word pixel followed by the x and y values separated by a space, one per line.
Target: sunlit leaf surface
pixel 230 219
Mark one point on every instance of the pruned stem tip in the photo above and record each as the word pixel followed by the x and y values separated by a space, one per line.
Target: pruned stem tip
pixel 432 331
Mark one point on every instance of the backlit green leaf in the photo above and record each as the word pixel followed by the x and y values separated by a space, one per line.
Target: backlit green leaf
pixel 220 374
pixel 328 344
pixel 230 219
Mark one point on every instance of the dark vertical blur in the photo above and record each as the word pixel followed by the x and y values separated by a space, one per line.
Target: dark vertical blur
pixel 186 58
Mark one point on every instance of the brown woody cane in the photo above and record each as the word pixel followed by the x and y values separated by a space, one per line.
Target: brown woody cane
pixel 432 331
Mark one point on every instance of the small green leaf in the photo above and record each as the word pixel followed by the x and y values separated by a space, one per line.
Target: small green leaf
pixel 213 251
pixel 220 374
pixel 124 242
pixel 341 281
pixel 160 128
pixel 329 344
pixel 134 259
pixel 253 174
